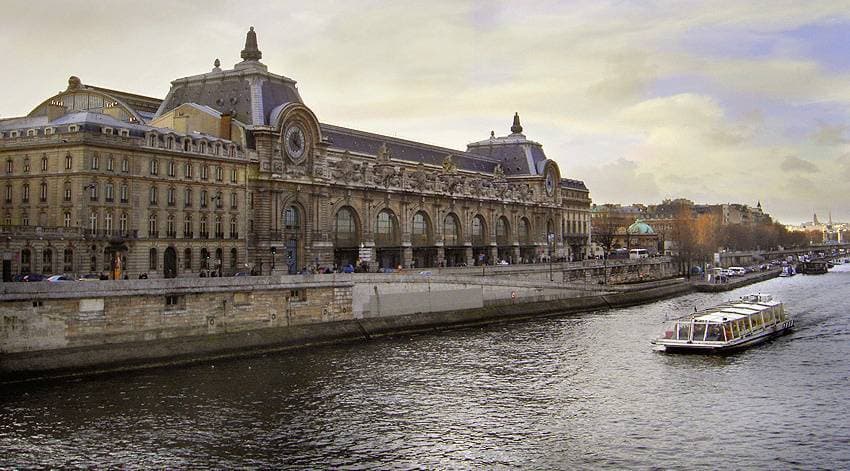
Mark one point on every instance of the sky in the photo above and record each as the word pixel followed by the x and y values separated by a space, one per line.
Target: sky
pixel 717 102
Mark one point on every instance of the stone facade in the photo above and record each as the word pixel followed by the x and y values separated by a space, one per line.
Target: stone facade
pixel 233 172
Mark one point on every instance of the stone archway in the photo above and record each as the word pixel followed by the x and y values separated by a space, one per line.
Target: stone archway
pixel 169 268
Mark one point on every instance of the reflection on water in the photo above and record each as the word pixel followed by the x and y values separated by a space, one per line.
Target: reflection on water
pixel 570 392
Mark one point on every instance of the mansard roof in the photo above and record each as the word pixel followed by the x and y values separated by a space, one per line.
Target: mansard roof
pixel 518 155
pixel 368 143
pixel 248 92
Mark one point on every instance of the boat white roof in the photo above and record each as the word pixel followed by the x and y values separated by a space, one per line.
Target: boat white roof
pixel 721 316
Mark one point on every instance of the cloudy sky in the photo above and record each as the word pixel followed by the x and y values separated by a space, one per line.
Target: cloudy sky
pixel 713 101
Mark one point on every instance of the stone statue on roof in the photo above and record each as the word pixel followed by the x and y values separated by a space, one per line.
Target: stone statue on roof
pixel 449 165
pixel 384 153
pixel 498 172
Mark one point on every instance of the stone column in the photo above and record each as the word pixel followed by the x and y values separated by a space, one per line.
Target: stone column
pixel 470 259
pixel 406 255
pixel 515 254
pixel 493 255
pixel 441 255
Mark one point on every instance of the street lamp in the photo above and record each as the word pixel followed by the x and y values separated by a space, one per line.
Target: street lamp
pixel 274 252
pixel 551 238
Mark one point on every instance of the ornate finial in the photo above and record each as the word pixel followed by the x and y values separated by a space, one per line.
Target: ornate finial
pixel 492 134
pixel 516 128
pixel 216 65
pixel 74 83
pixel 251 51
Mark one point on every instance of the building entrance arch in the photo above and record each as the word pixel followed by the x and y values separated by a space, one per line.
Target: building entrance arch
pixel 169 268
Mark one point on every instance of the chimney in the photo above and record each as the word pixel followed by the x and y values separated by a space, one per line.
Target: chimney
pixel 224 126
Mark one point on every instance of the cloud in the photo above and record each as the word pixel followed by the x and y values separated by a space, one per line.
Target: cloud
pixel 793 164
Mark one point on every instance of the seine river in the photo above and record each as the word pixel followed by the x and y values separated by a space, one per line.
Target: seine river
pixel 579 392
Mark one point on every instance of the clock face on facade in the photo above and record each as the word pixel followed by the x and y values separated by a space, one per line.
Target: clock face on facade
pixel 550 183
pixel 295 142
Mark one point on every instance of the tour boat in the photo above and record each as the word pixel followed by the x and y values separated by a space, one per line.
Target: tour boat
pixel 732 326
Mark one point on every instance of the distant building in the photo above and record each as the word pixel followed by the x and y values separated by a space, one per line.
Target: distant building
pixel 232 171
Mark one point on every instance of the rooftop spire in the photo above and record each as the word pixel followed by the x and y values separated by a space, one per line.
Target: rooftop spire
pixel 516 128
pixel 251 51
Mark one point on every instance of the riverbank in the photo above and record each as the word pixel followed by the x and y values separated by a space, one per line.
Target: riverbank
pixel 77 328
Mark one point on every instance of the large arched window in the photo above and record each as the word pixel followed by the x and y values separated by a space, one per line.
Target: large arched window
pixel 233 259
pixel 524 231
pixel 479 231
pixel 503 231
pixel 205 259
pixel 451 230
pixel 291 219
pixel 550 228
pixel 386 228
pixel 420 232
pixel 345 228
pixel 187 259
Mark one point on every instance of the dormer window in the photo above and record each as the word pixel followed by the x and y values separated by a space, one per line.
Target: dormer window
pixel 73 128
pixel 203 147
pixel 124 132
pixel 217 149
pixel 107 131
pixel 169 143
pixel 152 140
pixel 49 131
pixel 31 132
pixel 14 134
pixel 187 145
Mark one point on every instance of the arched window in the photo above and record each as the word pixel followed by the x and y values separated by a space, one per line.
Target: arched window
pixel 479 231
pixel 122 223
pixel 451 230
pixel 524 231
pixel 233 259
pixel 234 229
pixel 205 259
pixel 107 259
pixel 66 220
pixel 152 226
pixel 345 228
pixel 169 226
pixel 68 162
pixel 503 233
pixel 47 261
pixel 152 259
pixel 203 228
pixel 107 222
pixel 291 219
pixel 187 259
pixel 386 228
pixel 187 226
pixel 218 229
pixel 420 233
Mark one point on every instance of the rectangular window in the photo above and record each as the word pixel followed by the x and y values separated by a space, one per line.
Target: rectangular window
pixel 219 174
pixel 44 164
pixel 233 175
pixel 171 197
pixel 154 167
pixel 153 195
pixel 125 165
pixel 234 200
pixel 187 170
pixel 123 193
pixel 25 194
pixel 297 295
pixel 171 169
pixel 95 161
pixel 67 195
pixel 109 193
pixel 8 194
pixel 203 199
pixel 204 171
pixel 110 163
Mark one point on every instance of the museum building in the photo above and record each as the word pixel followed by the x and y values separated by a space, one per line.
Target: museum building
pixel 232 172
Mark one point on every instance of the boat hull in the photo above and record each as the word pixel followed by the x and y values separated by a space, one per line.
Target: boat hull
pixel 725 347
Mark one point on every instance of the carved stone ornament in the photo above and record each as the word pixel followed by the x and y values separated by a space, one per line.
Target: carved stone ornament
pixel 449 165
pixel 419 178
pixel 383 153
pixel 345 169
pixel 498 172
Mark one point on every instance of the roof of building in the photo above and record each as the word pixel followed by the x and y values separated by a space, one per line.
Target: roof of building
pixel 401 149
pixel 640 228
pixel 518 155
pixel 248 92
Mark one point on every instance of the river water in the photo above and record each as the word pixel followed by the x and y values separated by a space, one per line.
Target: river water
pixel 574 392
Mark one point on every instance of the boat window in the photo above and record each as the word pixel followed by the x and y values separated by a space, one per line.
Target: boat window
pixel 768 317
pixel 715 333
pixel 684 331
pixel 728 333
pixel 699 330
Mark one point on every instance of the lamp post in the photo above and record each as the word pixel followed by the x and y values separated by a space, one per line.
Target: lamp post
pixel 274 252
pixel 550 238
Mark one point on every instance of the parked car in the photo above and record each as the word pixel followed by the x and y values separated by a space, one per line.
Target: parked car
pixel 35 277
pixel 737 271
pixel 56 278
pixel 89 277
pixel 242 273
